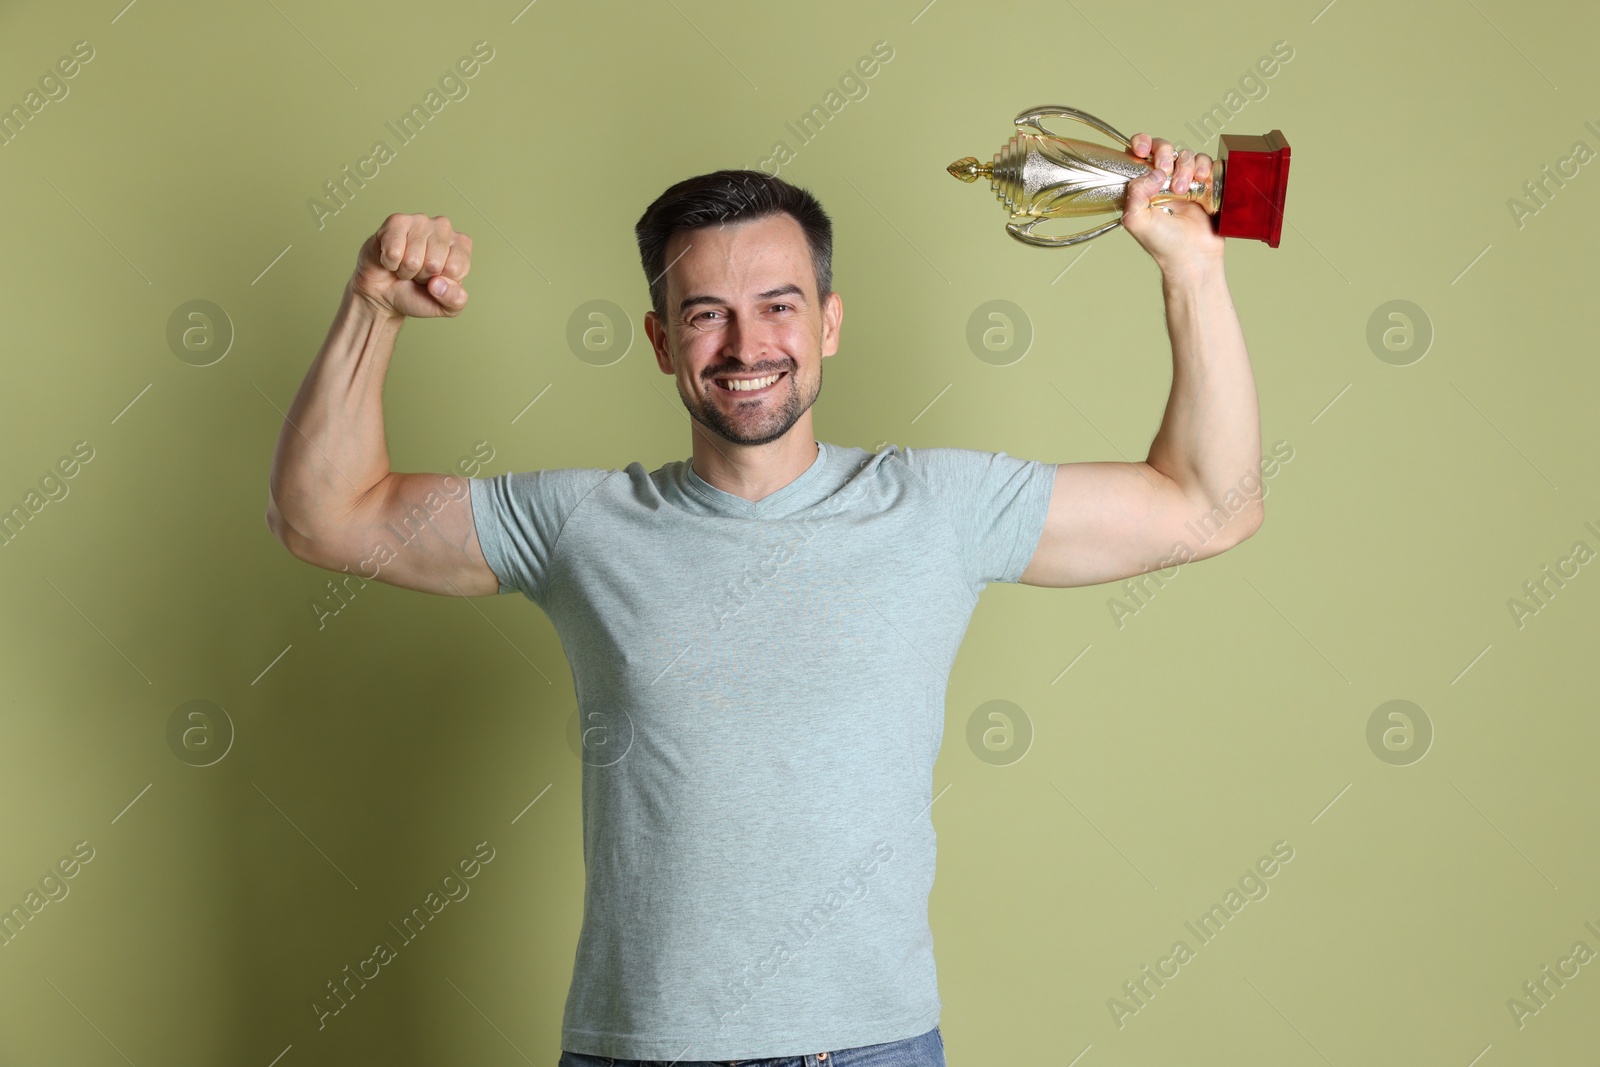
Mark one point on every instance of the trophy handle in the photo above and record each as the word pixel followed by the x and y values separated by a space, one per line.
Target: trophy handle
pixel 1031 118
pixel 1024 232
pixel 1032 115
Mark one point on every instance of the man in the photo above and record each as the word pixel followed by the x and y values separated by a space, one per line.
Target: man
pixel 761 636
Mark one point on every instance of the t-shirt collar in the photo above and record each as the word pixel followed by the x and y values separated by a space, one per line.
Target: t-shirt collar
pixel 730 503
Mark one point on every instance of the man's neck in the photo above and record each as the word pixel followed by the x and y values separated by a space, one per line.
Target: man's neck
pixel 754 471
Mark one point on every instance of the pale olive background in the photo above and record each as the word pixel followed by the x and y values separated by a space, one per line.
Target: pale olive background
pixel 1230 713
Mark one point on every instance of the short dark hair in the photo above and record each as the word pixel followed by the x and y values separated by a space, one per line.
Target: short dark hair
pixel 729 196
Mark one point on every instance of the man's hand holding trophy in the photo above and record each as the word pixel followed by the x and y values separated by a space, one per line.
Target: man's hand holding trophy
pixel 1172 202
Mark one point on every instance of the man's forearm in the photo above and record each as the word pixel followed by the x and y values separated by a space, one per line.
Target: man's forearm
pixel 331 449
pixel 1210 436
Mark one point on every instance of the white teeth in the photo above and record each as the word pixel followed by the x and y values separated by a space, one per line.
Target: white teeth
pixel 754 383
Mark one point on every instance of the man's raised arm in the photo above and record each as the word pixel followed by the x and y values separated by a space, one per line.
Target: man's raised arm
pixel 1199 490
pixel 332 499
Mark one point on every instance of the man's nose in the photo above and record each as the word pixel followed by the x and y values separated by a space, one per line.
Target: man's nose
pixel 744 338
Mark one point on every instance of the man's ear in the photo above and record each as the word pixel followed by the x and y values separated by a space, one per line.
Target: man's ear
pixel 832 316
pixel 656 330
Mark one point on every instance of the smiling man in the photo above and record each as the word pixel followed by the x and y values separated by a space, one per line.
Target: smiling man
pixel 761 635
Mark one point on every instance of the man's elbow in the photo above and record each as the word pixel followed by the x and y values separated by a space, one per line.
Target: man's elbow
pixel 275 523
pixel 1238 529
pixel 1251 521
pixel 290 538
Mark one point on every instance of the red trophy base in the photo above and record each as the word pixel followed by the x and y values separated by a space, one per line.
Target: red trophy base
pixel 1254 182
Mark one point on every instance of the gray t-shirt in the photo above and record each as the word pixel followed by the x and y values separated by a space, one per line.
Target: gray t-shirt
pixel 761 687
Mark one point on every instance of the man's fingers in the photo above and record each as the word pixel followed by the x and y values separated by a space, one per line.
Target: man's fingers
pixel 391 244
pixel 435 251
pixel 1183 171
pixel 460 259
pixel 416 252
pixel 418 240
pixel 1165 156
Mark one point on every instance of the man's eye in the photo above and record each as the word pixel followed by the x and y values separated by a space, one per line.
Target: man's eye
pixel 776 306
pixel 703 314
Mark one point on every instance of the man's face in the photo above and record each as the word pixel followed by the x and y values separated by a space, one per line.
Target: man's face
pixel 742 305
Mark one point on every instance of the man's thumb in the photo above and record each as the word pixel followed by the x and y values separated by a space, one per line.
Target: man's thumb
pixel 1141 189
pixel 447 293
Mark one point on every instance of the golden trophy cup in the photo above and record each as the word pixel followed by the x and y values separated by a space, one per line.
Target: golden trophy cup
pixel 1041 175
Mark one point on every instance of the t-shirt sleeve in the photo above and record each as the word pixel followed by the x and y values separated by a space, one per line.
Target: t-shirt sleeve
pixel 519 517
pixel 996 503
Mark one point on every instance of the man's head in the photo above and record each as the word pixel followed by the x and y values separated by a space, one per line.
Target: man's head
pixel 739 265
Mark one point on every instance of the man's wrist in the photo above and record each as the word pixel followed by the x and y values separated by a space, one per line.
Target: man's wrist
pixel 367 309
pixel 1194 272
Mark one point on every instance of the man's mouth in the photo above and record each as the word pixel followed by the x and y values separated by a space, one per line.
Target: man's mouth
pixel 749 386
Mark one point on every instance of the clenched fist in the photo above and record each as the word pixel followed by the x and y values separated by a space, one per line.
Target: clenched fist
pixel 413 267
pixel 1179 235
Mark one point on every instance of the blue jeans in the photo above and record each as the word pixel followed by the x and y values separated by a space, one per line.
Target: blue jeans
pixel 926 1050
